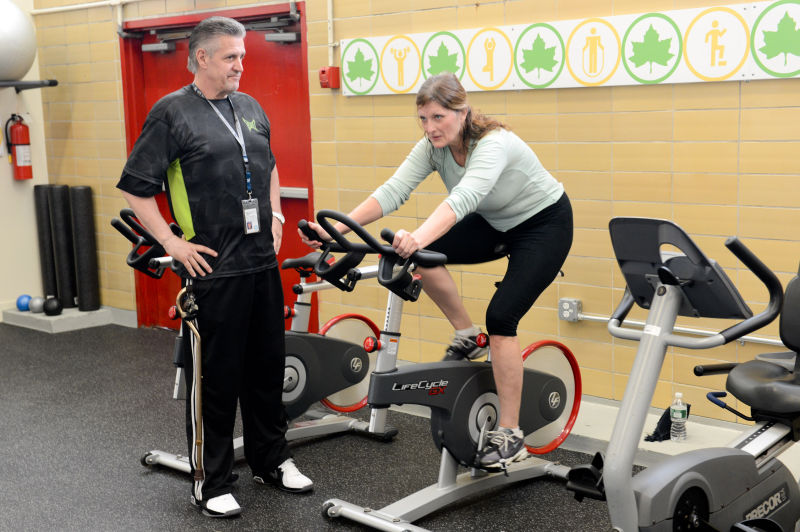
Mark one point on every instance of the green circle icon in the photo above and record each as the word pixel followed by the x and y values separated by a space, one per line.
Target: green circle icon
pixel 776 33
pixel 546 56
pixel 361 65
pixel 446 56
pixel 655 49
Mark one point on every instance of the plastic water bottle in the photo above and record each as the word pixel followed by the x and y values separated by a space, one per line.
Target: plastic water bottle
pixel 678 414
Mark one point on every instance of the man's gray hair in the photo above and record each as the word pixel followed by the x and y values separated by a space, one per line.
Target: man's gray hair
pixel 209 29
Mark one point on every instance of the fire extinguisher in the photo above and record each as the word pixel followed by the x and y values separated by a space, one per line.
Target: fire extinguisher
pixel 18 140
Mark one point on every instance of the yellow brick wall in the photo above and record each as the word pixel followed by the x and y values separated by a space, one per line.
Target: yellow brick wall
pixel 717 158
pixel 84 125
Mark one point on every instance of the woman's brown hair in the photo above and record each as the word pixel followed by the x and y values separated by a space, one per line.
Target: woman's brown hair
pixel 447 91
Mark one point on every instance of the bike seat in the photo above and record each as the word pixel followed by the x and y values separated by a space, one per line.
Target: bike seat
pixel 784 358
pixel 771 383
pixel 306 262
pixel 765 386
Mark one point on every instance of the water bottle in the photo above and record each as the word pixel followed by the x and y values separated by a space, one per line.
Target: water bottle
pixel 677 415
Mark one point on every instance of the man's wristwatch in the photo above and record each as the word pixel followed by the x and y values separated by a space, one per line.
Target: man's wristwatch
pixel 279 216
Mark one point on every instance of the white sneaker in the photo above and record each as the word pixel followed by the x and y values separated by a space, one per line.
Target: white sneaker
pixel 221 506
pixel 503 447
pixel 287 477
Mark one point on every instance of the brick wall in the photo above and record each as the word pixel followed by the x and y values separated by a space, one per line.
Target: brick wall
pixel 717 158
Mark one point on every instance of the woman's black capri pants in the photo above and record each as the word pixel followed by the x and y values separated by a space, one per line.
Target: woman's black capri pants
pixel 536 250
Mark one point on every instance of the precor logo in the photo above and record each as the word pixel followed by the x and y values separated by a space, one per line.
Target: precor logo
pixel 769 505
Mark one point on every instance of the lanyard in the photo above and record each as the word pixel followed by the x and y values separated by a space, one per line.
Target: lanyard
pixel 237 134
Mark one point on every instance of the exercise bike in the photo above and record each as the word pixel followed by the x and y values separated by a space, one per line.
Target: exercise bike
pixel 326 368
pixel 461 395
pixel 742 487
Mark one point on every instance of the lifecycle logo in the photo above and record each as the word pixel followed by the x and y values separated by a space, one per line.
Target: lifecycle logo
pixel 433 387
pixel 356 365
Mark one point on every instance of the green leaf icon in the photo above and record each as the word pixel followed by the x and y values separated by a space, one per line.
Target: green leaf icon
pixel 651 50
pixel 443 61
pixel 360 67
pixel 785 40
pixel 539 57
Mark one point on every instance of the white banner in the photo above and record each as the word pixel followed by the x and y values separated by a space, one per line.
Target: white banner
pixel 739 42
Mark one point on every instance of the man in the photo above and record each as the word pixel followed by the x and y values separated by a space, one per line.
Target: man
pixel 209 145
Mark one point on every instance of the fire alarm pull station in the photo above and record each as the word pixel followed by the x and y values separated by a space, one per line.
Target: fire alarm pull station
pixel 329 77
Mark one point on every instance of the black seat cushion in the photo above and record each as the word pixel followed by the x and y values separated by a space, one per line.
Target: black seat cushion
pixel 765 386
pixel 790 315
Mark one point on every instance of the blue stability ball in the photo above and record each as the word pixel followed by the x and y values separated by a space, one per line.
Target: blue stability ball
pixel 23 301
pixel 36 304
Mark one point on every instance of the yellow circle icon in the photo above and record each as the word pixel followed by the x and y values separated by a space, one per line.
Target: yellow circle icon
pixel 712 39
pixel 490 45
pixel 592 43
pixel 400 55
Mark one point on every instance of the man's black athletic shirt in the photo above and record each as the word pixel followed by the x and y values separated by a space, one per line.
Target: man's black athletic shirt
pixel 185 146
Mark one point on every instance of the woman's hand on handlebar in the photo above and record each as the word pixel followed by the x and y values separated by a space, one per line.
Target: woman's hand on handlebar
pixel 189 255
pixel 405 244
pixel 314 244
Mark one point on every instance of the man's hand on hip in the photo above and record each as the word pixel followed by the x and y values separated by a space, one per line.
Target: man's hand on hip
pixel 189 255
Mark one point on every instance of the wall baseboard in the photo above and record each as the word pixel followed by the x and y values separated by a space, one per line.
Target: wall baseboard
pixel 70 319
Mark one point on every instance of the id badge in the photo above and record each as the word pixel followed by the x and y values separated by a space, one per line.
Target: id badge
pixel 250 210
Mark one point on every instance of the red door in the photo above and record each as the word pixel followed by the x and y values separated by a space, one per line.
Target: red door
pixel 275 74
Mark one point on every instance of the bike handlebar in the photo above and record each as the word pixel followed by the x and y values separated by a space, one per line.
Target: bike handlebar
pixel 145 247
pixel 388 277
pixel 755 265
pixel 768 278
pixel 401 282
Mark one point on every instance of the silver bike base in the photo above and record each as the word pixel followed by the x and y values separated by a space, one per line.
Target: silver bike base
pixel 330 424
pixel 399 516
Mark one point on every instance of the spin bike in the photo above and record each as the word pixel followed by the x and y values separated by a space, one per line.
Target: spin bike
pixel 325 368
pixel 742 487
pixel 461 395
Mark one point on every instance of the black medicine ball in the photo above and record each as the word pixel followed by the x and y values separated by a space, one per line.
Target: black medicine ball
pixel 52 306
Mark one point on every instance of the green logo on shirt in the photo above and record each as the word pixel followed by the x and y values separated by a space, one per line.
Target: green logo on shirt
pixel 251 125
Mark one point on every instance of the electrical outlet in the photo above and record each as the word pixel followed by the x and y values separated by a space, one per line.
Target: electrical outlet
pixel 569 309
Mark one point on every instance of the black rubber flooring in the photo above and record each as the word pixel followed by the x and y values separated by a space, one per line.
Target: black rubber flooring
pixel 78 410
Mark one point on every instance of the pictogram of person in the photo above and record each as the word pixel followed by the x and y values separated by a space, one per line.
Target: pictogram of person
pixel 595 47
pixel 400 57
pixel 714 35
pixel 489 45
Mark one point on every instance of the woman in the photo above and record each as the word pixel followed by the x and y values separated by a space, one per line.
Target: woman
pixel 501 201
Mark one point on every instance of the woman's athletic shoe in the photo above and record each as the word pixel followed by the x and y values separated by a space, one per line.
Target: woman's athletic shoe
pixel 221 506
pixel 503 447
pixel 287 477
pixel 467 347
